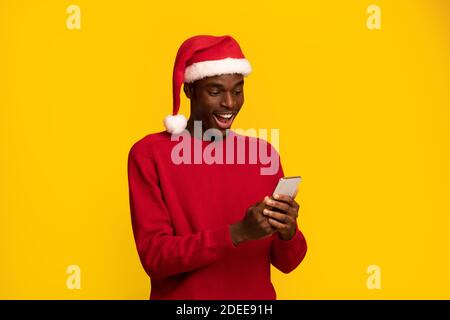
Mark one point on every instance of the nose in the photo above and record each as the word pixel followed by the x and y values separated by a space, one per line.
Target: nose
pixel 228 100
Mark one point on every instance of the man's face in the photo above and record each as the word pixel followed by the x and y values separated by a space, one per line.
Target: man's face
pixel 216 100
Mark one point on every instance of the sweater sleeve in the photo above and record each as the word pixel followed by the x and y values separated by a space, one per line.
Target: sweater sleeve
pixel 287 255
pixel 162 253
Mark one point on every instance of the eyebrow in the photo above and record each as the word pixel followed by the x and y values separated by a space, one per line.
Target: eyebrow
pixel 219 85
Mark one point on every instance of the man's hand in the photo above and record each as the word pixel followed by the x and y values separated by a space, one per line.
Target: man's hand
pixel 253 227
pixel 284 222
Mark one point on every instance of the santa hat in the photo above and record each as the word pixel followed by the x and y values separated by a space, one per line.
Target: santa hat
pixel 199 57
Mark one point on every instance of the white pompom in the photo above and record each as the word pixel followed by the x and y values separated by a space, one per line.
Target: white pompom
pixel 175 124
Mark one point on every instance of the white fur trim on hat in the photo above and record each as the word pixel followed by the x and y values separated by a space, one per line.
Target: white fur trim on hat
pixel 175 124
pixel 203 69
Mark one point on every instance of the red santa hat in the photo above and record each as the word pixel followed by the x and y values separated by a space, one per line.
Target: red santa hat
pixel 200 57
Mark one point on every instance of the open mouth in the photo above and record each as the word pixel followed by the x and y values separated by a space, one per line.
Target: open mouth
pixel 224 119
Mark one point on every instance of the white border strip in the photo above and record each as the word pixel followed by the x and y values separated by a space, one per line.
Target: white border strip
pixel 200 70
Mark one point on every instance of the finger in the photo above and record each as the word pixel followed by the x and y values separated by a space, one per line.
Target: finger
pixel 282 217
pixel 284 198
pixel 278 204
pixel 296 205
pixel 261 220
pixel 267 227
pixel 293 213
pixel 276 224
pixel 289 200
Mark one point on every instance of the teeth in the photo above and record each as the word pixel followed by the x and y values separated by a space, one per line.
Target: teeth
pixel 225 115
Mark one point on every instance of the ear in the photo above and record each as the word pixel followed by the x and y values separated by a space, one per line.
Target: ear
pixel 187 88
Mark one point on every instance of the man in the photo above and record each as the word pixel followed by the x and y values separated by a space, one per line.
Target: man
pixel 209 230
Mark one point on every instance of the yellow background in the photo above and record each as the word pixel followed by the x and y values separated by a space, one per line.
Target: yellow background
pixel 363 117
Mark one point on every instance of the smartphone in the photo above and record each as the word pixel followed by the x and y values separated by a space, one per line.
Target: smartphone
pixel 288 186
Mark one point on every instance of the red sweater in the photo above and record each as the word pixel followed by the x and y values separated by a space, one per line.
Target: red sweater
pixel 181 216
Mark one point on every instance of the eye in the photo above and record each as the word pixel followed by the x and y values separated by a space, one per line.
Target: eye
pixel 214 93
pixel 237 92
